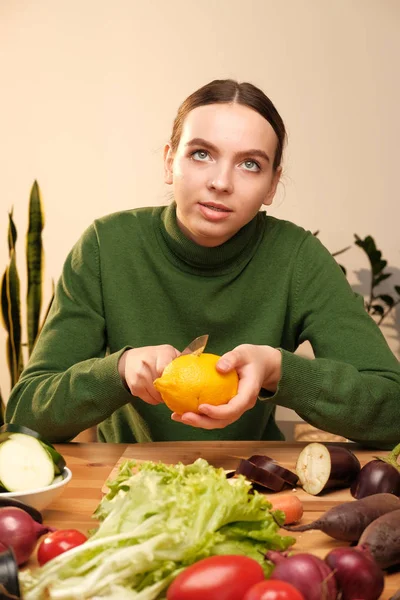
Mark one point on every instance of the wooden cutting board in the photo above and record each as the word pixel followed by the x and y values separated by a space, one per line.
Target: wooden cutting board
pixel 228 458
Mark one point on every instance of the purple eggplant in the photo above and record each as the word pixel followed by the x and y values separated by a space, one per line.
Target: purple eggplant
pixel 381 475
pixel 322 467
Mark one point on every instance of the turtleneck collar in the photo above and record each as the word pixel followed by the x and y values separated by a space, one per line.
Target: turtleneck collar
pixel 202 260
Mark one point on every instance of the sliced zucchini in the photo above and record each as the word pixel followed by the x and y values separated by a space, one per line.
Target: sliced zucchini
pixel 10 428
pixel 24 464
pixel 58 460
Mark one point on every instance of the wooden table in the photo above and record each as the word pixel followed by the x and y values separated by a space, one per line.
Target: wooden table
pixel 92 463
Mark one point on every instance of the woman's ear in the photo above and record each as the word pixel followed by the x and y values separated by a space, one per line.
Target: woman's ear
pixel 274 184
pixel 168 162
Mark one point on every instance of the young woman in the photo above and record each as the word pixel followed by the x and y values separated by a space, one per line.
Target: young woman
pixel 140 284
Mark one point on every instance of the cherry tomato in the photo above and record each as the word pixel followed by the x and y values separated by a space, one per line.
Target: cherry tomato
pixel 216 578
pixel 58 542
pixel 273 590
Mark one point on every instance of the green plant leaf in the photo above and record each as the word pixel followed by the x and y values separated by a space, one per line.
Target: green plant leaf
pixel 2 409
pixel 11 311
pixel 49 305
pixel 377 309
pixel 12 233
pixel 374 255
pixel 34 260
pixel 387 299
pixel 4 302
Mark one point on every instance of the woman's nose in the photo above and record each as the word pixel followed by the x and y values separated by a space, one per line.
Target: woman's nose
pixel 221 180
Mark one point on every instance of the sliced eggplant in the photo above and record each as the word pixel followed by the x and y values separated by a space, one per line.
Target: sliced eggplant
pixel 269 464
pixel 260 476
pixel 322 467
pixel 9 580
pixel 10 428
pixel 24 464
pixel 33 512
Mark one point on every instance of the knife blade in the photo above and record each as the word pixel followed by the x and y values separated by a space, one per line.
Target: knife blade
pixel 196 346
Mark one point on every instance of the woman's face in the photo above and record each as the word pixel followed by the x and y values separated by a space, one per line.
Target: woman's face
pixel 221 172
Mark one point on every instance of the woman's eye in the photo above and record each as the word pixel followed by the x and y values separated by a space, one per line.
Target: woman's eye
pixel 251 165
pixel 200 155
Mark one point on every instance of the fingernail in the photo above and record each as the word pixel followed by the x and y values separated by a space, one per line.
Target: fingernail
pixel 224 364
pixel 203 409
pixel 186 420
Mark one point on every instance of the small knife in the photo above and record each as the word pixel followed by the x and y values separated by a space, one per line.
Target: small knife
pixel 197 346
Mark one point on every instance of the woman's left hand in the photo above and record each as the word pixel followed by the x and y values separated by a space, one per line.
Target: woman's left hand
pixel 257 367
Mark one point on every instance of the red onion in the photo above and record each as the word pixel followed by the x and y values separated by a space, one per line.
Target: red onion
pixel 356 572
pixel 20 531
pixel 307 573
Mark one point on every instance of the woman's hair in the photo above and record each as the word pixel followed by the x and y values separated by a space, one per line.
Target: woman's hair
pixel 223 91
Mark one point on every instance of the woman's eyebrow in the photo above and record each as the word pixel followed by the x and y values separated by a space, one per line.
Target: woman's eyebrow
pixel 243 153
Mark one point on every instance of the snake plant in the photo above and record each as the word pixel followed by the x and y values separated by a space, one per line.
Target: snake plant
pixel 10 287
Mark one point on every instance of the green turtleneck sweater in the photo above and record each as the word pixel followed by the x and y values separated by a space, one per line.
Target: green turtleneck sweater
pixel 134 280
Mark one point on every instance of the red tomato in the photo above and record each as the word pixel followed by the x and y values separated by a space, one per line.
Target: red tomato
pixel 58 542
pixel 272 589
pixel 216 578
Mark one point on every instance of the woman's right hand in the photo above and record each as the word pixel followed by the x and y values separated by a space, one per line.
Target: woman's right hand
pixel 139 367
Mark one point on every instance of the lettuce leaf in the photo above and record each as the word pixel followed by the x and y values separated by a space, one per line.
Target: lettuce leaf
pixel 156 520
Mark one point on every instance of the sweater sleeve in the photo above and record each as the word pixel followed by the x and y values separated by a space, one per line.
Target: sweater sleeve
pixel 70 383
pixel 352 387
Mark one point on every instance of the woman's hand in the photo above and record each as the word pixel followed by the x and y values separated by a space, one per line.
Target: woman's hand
pixel 139 367
pixel 258 367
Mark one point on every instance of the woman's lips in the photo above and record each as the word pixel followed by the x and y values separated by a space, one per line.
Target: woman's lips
pixel 214 212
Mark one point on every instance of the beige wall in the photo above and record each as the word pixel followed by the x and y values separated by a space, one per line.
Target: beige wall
pixel 89 90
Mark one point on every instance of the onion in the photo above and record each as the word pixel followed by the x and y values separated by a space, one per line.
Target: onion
pixel 20 532
pixel 356 572
pixel 307 573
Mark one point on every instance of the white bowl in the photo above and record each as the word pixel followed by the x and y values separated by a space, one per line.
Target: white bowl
pixel 41 498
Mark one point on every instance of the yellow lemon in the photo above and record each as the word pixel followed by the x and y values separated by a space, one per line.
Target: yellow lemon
pixel 190 380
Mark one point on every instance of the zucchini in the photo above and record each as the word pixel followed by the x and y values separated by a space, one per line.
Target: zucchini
pixel 24 464
pixel 10 428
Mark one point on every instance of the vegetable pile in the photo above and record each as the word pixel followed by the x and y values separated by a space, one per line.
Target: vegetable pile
pixel 155 523
pixel 193 532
